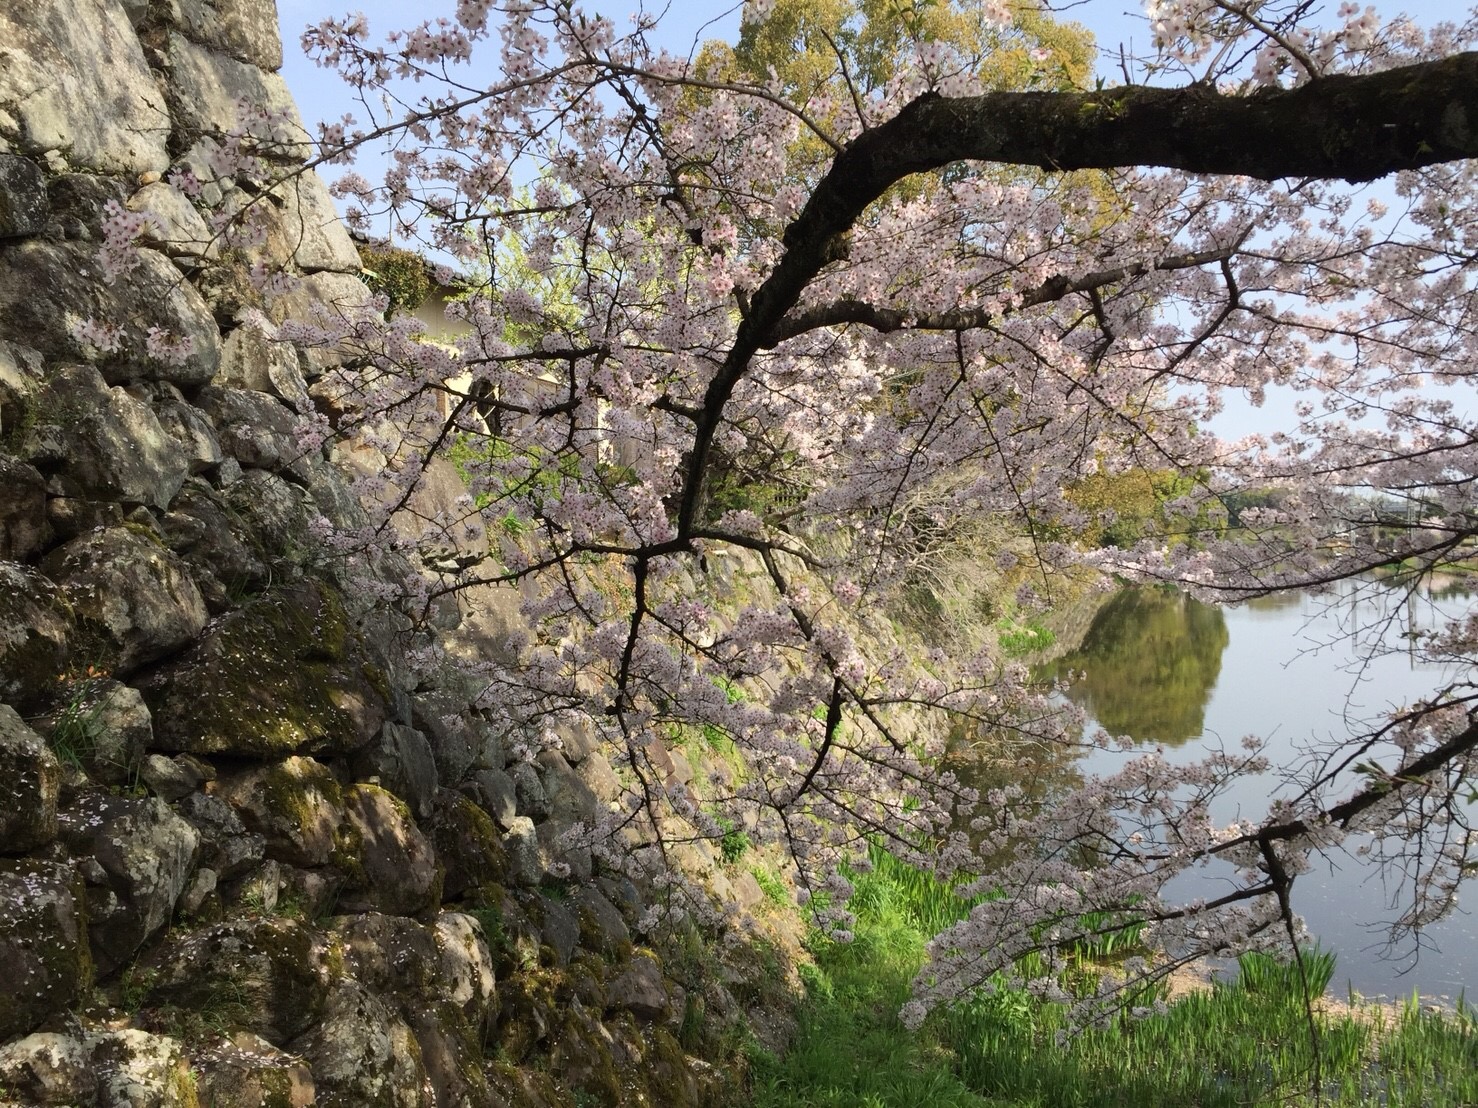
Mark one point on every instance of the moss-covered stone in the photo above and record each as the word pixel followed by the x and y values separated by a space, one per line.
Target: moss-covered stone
pixel 395 866
pixel 281 675
pixel 296 805
pixel 468 844
pixel 245 1071
pixel 268 976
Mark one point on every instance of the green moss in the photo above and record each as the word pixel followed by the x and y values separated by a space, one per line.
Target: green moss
pixel 274 678
pixel 399 274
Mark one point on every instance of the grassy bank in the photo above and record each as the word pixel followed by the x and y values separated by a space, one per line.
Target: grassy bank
pixel 1240 1044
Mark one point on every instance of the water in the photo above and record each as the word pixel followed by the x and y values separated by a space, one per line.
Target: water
pixel 1303 672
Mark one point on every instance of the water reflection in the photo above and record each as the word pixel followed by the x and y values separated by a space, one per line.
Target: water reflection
pixel 1149 663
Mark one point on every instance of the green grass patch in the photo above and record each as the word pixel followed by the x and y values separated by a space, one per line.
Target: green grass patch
pixel 1242 1043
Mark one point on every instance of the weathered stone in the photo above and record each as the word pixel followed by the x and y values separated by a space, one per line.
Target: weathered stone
pixel 442 715
pixel 206 91
pixel 244 29
pixel 24 529
pixel 179 231
pixel 316 235
pixel 296 220
pixel 202 531
pixel 567 853
pixel 23 208
pixel 388 954
pixel 602 928
pixel 102 726
pixel 559 930
pixel 99 443
pixel 273 514
pixel 268 976
pixel 362 1054
pixel 584 1055
pixel 492 790
pixel 466 966
pixel 639 989
pixel 400 758
pixel 194 437
pixel 200 887
pixel 47 288
pixel 467 844
pixel 147 853
pixel 21 377
pixel 597 773
pixel 329 299
pixel 747 891
pixel 251 360
pixel 72 516
pixel 529 790
pixel 30 781
pixel 451 1053
pixel 282 675
pixel 136 594
pixel 79 203
pixel 571 800
pixel 330 492
pixel 257 893
pixel 310 893
pixel 253 428
pixel 49 1069
pixel 73 80
pixel 576 740
pixel 525 864
pixel 226 845
pixel 397 867
pixel 169 779
pixel 137 1068
pixel 295 805
pixel 246 1071
pixel 43 943
pixel 35 624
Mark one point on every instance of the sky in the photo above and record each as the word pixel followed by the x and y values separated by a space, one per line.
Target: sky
pixel 685 24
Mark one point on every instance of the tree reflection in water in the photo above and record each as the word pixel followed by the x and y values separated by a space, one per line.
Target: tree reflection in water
pixel 1148 665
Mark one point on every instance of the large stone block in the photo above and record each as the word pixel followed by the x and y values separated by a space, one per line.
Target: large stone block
pixel 270 975
pixel 130 590
pixel 73 80
pixel 99 443
pixel 397 869
pixel 43 943
pixel 295 805
pixel 146 854
pixel 23 208
pixel 283 675
pixel 244 29
pixel 35 629
pixel 48 289
pixel 23 526
pixel 206 93
pixel 30 780
pixel 179 231
pixel 363 1053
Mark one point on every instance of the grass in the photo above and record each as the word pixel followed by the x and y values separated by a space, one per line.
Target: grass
pixel 1242 1043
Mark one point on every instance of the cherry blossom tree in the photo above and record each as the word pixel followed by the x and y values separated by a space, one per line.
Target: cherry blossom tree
pixel 751 353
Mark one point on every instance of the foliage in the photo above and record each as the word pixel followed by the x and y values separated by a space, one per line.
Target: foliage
pixel 397 274
pixel 754 349
pixel 1241 1042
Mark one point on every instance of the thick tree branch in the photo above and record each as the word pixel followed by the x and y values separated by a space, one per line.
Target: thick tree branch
pixel 1352 127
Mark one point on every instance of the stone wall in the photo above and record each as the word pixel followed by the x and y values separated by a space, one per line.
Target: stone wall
pixel 245 858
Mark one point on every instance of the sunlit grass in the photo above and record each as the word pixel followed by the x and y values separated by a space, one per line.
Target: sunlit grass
pixel 1240 1043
